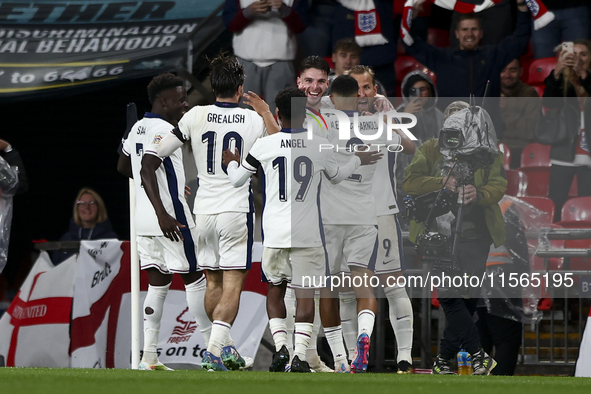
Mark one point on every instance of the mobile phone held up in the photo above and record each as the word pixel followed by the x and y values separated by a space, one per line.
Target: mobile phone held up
pixel 568 47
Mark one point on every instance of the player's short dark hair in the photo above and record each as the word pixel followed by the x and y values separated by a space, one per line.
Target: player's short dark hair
pixel 360 70
pixel 347 44
pixel 226 76
pixel 284 104
pixel 314 62
pixel 459 17
pixel 161 83
pixel 344 86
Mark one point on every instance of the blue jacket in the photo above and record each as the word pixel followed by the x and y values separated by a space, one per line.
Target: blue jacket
pixel 102 230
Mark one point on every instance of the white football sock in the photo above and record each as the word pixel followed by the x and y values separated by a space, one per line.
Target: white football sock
pixel 220 331
pixel 303 333
pixel 279 332
pixel 366 320
pixel 290 308
pixel 401 318
pixel 334 336
pixel 154 303
pixel 348 310
pixel 195 293
pixel 312 352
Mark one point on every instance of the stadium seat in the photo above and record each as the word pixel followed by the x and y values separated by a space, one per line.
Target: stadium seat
pixel 540 69
pixel 535 155
pixel 506 151
pixel 330 62
pixel 540 89
pixel 543 204
pixel 537 180
pixel 516 183
pixel 576 209
pixel 438 37
pixel 576 263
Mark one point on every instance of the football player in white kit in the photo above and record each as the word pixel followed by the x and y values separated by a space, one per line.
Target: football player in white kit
pixel 164 224
pixel 292 166
pixel 390 252
pixel 224 214
pixel 350 217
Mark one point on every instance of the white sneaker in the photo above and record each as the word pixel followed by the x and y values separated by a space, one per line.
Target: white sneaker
pixel 248 362
pixel 317 365
pixel 154 367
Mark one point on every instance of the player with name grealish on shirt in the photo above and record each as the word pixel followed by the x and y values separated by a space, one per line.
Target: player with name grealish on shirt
pixel 224 215
pixel 293 167
pixel 166 236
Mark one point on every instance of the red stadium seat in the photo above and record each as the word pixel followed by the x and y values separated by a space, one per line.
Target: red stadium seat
pixel 438 37
pixel 516 183
pixel 576 263
pixel 506 151
pixel 537 180
pixel 535 155
pixel 576 209
pixel 540 69
pixel 330 62
pixel 543 204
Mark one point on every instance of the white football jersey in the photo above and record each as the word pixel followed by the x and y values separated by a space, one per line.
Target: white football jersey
pixel 383 187
pixel 293 168
pixel 144 138
pixel 212 129
pixel 351 202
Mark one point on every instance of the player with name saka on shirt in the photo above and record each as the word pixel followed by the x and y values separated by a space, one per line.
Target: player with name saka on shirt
pixel 293 167
pixel 224 215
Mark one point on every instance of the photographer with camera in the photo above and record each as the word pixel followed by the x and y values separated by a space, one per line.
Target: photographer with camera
pixel 465 161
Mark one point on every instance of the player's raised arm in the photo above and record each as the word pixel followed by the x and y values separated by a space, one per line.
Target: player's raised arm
pixel 124 165
pixel 262 108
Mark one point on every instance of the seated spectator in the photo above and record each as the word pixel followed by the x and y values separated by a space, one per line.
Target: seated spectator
pixel 571 22
pixel 89 221
pixel 519 111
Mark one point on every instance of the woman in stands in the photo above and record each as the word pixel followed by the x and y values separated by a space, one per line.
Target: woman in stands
pixel 90 221
pixel 570 79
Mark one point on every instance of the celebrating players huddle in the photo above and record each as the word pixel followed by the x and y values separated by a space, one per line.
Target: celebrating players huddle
pixel 326 212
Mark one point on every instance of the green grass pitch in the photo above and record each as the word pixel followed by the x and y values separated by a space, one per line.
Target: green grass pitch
pixel 112 381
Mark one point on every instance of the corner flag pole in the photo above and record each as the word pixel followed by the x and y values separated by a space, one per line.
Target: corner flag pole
pixel 134 260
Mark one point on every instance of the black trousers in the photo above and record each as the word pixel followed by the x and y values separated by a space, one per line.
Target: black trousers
pixel 459 304
pixel 561 178
pixel 504 336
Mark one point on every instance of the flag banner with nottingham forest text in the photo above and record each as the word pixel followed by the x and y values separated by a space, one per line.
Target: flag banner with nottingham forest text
pixel 47 47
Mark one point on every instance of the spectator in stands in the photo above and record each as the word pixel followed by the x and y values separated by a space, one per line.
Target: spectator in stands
pixel 317 38
pixel 420 22
pixel 466 71
pixel 420 98
pixel 89 221
pixel 571 79
pixel 571 22
pixel 520 106
pixel 498 22
pixel 376 33
pixel 264 41
pixel 345 55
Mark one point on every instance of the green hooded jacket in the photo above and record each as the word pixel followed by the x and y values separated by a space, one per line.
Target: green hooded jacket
pixel 422 176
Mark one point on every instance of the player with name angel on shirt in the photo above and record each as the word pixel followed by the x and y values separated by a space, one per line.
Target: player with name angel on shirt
pixel 224 215
pixel 293 166
pixel 164 224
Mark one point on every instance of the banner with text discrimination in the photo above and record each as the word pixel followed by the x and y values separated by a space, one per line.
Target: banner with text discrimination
pixel 48 46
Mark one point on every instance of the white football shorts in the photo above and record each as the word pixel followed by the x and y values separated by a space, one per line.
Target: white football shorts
pixel 350 245
pixel 224 240
pixel 305 268
pixel 390 251
pixel 168 256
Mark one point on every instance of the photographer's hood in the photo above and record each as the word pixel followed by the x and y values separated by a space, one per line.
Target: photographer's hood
pixel 468 132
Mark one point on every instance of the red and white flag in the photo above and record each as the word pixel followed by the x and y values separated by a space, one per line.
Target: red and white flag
pixel 539 12
pixel 35 330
